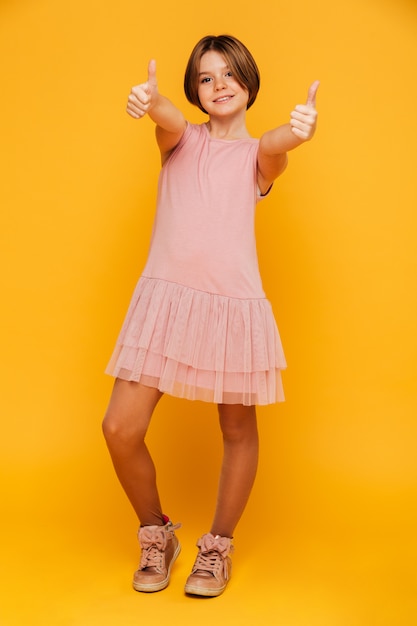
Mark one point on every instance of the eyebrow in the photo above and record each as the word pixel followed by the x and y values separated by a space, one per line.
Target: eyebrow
pixel 226 67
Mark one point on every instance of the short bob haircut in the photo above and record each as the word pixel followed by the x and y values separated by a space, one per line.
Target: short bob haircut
pixel 238 58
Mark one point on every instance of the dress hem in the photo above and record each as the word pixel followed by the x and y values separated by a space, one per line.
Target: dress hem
pixel 201 394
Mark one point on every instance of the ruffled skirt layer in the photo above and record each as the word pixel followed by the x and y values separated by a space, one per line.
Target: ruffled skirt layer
pixel 200 346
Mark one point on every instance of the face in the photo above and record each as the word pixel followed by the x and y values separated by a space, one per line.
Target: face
pixel 218 90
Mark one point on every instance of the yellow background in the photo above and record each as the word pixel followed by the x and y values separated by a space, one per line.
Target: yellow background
pixel 329 536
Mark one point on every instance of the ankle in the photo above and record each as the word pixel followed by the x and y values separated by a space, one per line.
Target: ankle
pixel 155 520
pixel 219 532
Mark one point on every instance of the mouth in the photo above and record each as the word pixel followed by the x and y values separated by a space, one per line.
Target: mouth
pixel 223 99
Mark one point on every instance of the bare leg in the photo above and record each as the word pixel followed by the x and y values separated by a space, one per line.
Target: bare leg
pixel 240 461
pixel 125 425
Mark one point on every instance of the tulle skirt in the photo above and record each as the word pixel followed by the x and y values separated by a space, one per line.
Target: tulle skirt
pixel 200 346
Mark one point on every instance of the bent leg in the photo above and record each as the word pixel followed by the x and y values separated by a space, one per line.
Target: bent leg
pixel 240 460
pixel 124 426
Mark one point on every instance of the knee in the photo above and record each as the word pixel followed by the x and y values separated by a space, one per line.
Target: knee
pixel 239 425
pixel 112 428
pixel 119 431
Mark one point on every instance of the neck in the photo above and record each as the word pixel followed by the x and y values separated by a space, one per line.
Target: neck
pixel 227 128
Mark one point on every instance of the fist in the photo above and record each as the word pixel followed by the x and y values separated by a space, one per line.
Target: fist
pixel 304 117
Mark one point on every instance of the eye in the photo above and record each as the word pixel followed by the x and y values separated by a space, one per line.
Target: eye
pixel 229 74
pixel 206 79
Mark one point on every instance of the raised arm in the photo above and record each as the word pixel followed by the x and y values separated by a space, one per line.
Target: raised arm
pixel 145 99
pixel 274 144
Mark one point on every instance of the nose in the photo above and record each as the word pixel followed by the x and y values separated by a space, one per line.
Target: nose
pixel 219 83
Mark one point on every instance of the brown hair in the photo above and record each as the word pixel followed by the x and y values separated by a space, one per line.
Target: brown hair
pixel 238 58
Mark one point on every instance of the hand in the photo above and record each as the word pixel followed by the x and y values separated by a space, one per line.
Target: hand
pixel 304 117
pixel 143 96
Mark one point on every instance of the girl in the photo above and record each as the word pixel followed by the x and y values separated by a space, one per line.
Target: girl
pixel 199 325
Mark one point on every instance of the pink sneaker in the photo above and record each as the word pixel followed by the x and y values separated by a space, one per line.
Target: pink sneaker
pixel 160 547
pixel 212 568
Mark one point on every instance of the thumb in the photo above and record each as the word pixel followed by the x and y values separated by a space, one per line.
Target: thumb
pixel 152 73
pixel 312 92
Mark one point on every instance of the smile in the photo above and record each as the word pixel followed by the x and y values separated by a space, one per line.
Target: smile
pixel 223 99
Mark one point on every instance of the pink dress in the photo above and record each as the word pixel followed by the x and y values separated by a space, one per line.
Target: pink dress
pixel 199 325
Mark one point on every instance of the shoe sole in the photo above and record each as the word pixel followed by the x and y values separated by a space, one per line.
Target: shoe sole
pixel 152 587
pixel 207 592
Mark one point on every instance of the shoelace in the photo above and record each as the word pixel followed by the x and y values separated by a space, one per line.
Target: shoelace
pixel 151 557
pixel 212 555
pixel 210 562
pixel 153 541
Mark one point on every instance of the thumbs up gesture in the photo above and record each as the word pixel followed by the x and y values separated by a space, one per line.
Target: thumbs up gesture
pixel 143 96
pixel 304 117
